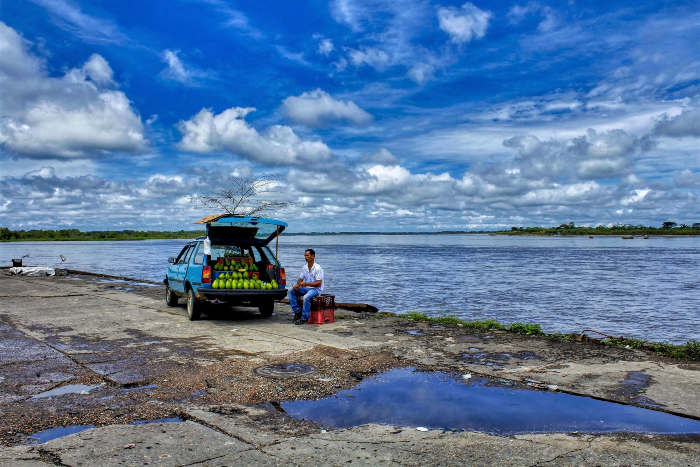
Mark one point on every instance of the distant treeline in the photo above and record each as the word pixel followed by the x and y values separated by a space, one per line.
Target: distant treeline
pixel 667 228
pixel 75 234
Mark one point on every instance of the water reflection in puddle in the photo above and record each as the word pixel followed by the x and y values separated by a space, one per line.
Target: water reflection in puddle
pixel 69 389
pixel 53 433
pixel 406 397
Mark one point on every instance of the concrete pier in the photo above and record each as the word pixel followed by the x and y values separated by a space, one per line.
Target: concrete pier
pixel 143 361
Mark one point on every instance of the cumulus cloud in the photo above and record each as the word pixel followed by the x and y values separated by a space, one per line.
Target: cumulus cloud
pixel 317 109
pixel 464 24
pixel 277 146
pixel 381 157
pixel 76 115
pixel 588 157
pixel 687 123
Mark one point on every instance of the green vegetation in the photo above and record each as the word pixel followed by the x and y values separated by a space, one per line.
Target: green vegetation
pixel 667 228
pixel 687 351
pixel 7 235
pixel 487 325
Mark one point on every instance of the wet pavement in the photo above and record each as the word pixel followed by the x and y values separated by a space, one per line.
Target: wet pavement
pixel 140 373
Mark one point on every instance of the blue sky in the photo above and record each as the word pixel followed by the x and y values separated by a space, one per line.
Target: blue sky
pixel 377 115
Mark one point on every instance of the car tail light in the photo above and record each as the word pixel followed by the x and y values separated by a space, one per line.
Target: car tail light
pixel 283 277
pixel 270 267
pixel 206 275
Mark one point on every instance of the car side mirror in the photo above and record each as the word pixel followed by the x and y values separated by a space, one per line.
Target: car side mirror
pixel 171 260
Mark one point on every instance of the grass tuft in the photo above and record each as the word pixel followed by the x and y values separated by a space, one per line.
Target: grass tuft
pixel 688 351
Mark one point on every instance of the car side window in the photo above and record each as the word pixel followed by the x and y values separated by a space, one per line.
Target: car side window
pixel 188 255
pixel 199 255
pixel 181 256
pixel 256 254
pixel 270 256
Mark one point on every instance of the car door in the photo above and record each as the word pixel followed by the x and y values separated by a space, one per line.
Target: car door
pixel 174 276
pixel 183 265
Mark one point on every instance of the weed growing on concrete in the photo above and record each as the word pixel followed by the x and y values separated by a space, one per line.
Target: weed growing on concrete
pixel 688 351
pixel 485 325
pixel 385 314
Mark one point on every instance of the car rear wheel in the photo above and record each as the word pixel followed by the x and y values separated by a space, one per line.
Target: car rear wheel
pixel 170 297
pixel 193 309
pixel 267 308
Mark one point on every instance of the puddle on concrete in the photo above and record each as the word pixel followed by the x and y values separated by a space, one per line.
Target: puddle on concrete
pixel 406 397
pixel 69 389
pixel 415 332
pixel 53 433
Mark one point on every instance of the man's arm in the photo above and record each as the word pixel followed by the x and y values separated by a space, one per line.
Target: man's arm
pixel 310 284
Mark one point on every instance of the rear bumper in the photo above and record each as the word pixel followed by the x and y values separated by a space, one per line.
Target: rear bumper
pixel 238 295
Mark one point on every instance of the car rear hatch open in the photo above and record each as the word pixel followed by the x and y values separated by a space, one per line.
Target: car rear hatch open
pixel 228 229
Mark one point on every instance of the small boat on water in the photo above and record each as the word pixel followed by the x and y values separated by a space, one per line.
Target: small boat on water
pixel 590 236
pixel 646 237
pixel 627 237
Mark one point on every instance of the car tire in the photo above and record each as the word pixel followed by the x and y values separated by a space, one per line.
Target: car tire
pixel 170 297
pixel 267 308
pixel 194 311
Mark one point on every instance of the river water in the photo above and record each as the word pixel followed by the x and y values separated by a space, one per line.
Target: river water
pixel 648 289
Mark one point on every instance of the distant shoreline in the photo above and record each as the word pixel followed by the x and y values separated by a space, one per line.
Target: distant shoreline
pixel 337 234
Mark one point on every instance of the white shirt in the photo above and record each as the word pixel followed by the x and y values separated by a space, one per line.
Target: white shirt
pixel 316 274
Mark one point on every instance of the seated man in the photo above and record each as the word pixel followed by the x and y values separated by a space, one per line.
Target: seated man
pixel 309 285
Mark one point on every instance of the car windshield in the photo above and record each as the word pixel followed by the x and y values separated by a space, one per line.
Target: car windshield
pixel 260 254
pixel 227 251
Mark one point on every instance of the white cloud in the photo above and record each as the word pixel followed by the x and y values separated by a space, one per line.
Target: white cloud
pixel 325 45
pixel 465 24
pixel 178 71
pixel 517 13
pixel 297 57
pixel 382 157
pixel 317 108
pixel 348 12
pixel 371 56
pixel 277 146
pixel 396 26
pixel 68 15
pixel 550 17
pixel 75 115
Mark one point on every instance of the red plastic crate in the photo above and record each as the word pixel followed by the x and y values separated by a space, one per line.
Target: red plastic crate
pixel 324 316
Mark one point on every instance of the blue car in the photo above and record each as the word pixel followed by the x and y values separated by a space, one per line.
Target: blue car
pixel 235 247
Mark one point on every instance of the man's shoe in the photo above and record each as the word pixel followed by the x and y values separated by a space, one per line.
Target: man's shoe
pixel 297 316
pixel 301 321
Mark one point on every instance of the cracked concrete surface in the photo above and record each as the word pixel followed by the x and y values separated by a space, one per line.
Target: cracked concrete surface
pixel 57 331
